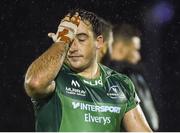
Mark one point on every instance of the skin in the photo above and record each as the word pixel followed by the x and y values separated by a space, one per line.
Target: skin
pixel 39 79
pixel 102 52
pixel 106 45
pixel 121 51
pixel 134 55
pixel 81 56
pixel 135 121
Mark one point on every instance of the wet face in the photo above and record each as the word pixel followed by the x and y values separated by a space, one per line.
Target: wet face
pixel 82 51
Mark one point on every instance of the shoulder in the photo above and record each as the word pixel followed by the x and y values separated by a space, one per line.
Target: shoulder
pixel 110 72
pixel 122 79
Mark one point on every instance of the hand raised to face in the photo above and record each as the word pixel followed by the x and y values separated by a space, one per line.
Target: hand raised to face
pixel 66 29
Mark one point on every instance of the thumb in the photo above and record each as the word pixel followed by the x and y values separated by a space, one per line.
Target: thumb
pixel 51 35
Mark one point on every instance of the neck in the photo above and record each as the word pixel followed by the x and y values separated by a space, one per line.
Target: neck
pixel 91 72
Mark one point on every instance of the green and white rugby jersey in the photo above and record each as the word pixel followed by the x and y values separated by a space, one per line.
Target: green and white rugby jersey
pixel 80 104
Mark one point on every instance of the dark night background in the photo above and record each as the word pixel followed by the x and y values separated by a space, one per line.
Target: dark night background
pixel 24 25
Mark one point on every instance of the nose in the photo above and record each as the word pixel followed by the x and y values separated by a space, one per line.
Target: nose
pixel 73 47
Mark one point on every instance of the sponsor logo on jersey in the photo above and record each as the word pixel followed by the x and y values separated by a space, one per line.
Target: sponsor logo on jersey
pixel 97 119
pixel 113 92
pixel 92 118
pixel 94 83
pixel 74 90
pixel 75 83
pixel 95 108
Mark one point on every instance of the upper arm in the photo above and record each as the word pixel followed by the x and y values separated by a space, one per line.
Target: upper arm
pixel 35 92
pixel 134 120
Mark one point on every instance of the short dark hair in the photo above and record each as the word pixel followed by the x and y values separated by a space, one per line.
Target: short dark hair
pixel 124 32
pixel 90 17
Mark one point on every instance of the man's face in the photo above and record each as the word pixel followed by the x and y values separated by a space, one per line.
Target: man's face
pixel 119 51
pixel 82 51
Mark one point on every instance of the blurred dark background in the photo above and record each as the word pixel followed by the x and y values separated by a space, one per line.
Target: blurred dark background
pixel 24 25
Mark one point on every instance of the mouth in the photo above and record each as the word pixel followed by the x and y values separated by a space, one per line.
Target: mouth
pixel 74 57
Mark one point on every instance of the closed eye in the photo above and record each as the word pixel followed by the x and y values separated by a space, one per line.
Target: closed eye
pixel 82 37
pixel 81 40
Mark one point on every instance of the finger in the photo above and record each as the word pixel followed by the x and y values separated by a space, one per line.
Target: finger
pixel 75 19
pixel 76 14
pixel 67 17
pixel 55 37
pixel 51 34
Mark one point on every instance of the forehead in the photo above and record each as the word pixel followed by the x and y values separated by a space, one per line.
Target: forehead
pixel 84 27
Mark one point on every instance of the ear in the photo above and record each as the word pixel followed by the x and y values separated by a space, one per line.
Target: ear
pixel 99 41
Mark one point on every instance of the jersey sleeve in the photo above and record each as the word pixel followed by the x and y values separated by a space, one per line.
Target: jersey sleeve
pixel 133 99
pixel 39 103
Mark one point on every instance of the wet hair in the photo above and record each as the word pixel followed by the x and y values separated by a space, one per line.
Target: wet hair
pixel 92 18
pixel 124 32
